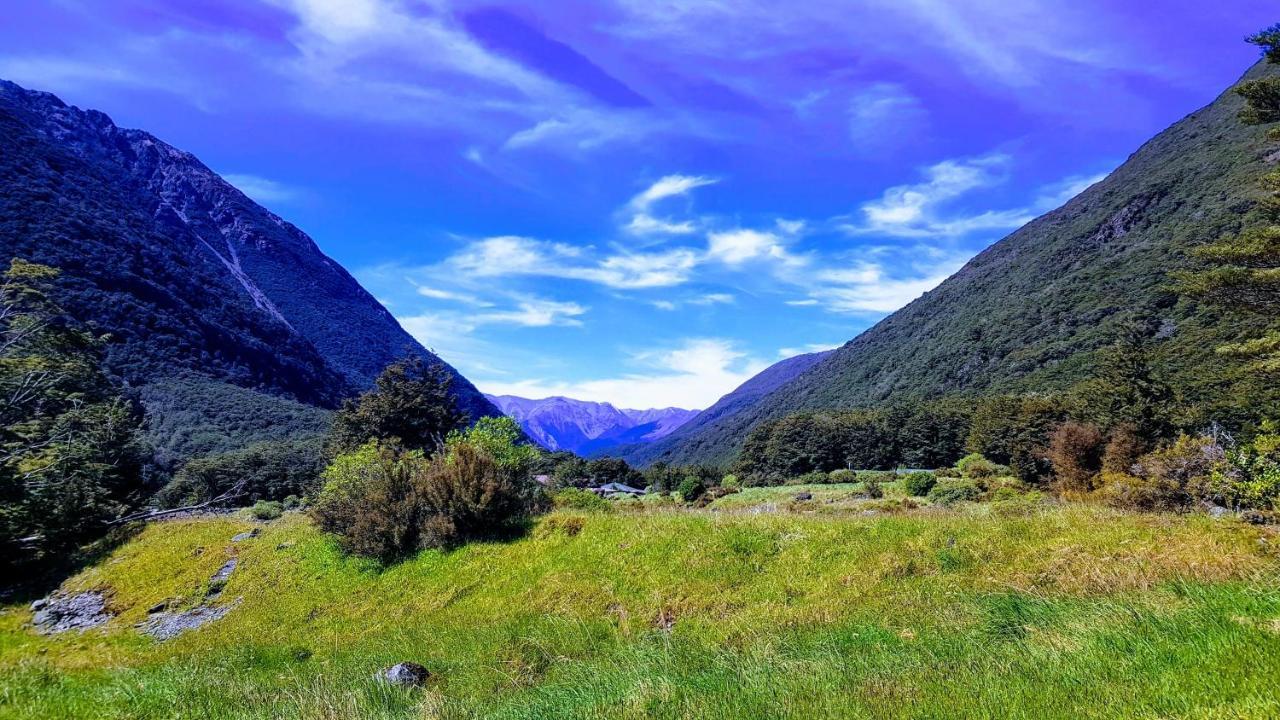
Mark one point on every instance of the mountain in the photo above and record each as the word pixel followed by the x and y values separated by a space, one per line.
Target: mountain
pixel 197 285
pixel 1031 312
pixel 559 423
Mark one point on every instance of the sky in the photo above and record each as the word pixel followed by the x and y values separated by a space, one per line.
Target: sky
pixel 644 202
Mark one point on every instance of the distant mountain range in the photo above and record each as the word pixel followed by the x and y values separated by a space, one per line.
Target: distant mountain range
pixel 200 288
pixel 1031 312
pixel 587 428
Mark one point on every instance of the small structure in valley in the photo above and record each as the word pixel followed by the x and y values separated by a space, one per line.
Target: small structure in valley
pixel 616 489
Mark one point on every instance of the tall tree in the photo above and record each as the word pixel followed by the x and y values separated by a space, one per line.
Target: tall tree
pixel 71 454
pixel 411 403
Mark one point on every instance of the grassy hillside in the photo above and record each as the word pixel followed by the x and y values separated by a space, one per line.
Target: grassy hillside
pixel 1058 612
pixel 1030 312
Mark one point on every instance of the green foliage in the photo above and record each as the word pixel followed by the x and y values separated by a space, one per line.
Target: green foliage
pixel 1262 101
pixel 1127 389
pixel 730 482
pixel 410 404
pixel 384 502
pixel 1014 431
pixel 613 470
pixel 951 492
pixel 265 471
pixel 871 487
pixel 1076 450
pixel 267 510
pixel 578 499
pixel 975 466
pixel 690 488
pixel 71 454
pixel 1170 478
pixel 1268 40
pixel 919 483
pixel 501 439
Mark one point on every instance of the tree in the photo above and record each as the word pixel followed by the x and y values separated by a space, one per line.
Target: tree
pixel 1127 390
pixel 410 403
pixel 71 454
pixel 501 439
pixel 1242 272
pixel 613 470
pixel 1014 431
pixel 1269 41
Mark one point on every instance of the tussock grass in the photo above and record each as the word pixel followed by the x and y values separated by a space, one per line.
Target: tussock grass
pixel 1067 611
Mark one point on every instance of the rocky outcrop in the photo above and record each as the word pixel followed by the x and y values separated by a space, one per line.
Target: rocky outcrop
pixel 60 613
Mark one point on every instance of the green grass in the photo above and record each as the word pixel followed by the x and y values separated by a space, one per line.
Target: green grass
pixel 1058 612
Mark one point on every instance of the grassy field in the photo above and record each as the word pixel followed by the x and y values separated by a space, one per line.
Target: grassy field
pixel 987 611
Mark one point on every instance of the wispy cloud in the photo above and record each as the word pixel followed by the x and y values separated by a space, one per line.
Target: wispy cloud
pixel 518 256
pixel 263 190
pixel 642 220
pixel 884 116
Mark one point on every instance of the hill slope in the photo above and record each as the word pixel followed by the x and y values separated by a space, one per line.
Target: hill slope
pixel 1030 312
pixel 559 423
pixel 186 273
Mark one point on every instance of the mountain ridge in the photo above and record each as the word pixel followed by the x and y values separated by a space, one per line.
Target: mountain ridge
pixel 187 275
pixel 587 427
pixel 1031 311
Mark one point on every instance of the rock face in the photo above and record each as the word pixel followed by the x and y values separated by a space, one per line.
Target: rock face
pixel 586 428
pixel 186 273
pixel 406 673
pixel 166 626
pixel 60 613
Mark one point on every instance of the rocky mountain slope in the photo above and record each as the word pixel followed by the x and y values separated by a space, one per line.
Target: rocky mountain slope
pixel 189 276
pixel 1031 312
pixel 583 427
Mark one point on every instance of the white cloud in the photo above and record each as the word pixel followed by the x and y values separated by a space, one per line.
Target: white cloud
pixel 699 300
pixel 912 210
pixel 262 189
pixel 735 247
pixel 536 312
pixel 693 374
pixel 519 256
pixel 438 294
pixel 642 220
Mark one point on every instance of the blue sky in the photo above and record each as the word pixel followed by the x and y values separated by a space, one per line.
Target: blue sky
pixel 642 201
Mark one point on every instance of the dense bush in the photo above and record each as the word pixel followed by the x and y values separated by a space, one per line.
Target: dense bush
pixel 1169 479
pixel 950 492
pixel 730 482
pixel 1075 450
pixel 690 489
pixel 268 471
pixel 385 502
pixel 266 510
pixel 817 477
pixel 842 475
pixel 976 467
pixel 871 487
pixel 919 483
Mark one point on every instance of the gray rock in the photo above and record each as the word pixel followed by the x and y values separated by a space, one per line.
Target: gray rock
pixel 39 604
pixel 406 673
pixel 804 496
pixel 60 613
pixel 221 577
pixel 246 535
pixel 1217 511
pixel 165 626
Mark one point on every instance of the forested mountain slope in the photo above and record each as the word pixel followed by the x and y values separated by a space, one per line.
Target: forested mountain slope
pixel 189 276
pixel 1030 313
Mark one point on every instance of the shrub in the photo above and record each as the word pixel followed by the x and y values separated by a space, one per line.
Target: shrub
pixel 577 499
pixel 385 503
pixel 292 502
pixel 919 483
pixel 568 525
pixel 266 510
pixel 411 403
pixel 730 482
pixel 690 488
pixel 1262 100
pixel 1075 451
pixel 816 477
pixel 871 487
pixel 975 466
pixel 1170 478
pixel 268 471
pixel 1146 494
pixel 842 475
pixel 1124 447
pixel 946 472
pixel 950 492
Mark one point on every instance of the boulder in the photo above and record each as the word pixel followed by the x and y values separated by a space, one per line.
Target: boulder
pixel 60 613
pixel 246 535
pixel 804 496
pixel 406 673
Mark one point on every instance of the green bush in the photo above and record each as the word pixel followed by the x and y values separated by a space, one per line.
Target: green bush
pixel 976 467
pixel 690 489
pixel 810 478
pixel 731 482
pixel 267 471
pixel 266 510
pixel 950 492
pixel 871 487
pixel 919 483
pixel 842 475
pixel 292 502
pixel 578 499
pixel 383 502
